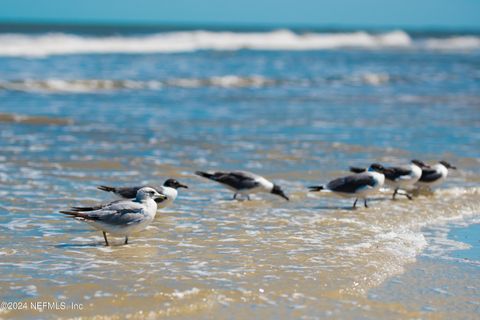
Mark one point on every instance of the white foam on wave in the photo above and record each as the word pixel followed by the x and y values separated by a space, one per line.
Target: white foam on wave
pixel 101 85
pixel 223 81
pixel 403 242
pixel 453 43
pixel 399 232
pixel 186 41
pixel 27 45
pixel 183 294
pixel 431 232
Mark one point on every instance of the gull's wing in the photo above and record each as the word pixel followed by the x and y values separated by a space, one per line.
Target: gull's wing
pixel 129 192
pixel 430 175
pixel 95 207
pixel 124 192
pixel 396 173
pixel 237 179
pixel 117 213
pixel 351 184
pixel 245 175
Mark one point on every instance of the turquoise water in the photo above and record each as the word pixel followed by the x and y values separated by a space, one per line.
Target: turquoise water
pixel 439 276
pixel 471 236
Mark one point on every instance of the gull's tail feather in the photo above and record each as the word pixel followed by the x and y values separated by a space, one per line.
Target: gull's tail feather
pixel 81 209
pixel 316 188
pixel 76 214
pixel 78 209
pixel 357 169
pixel 204 174
pixel 107 188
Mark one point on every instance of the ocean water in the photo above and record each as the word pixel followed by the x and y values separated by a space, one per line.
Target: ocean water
pixel 78 110
pixel 445 277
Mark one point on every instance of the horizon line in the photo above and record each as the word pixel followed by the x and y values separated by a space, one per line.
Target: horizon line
pixel 32 24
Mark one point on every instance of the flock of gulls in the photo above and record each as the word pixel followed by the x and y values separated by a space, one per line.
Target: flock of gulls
pixel 138 206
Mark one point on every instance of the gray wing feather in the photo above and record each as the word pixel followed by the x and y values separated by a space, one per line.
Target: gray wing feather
pixel 430 175
pixel 396 173
pixel 350 184
pixel 121 213
pixel 125 192
pixel 237 179
pixel 95 207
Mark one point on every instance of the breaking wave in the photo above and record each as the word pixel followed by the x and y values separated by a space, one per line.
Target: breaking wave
pixel 453 43
pixel 28 45
pixel 188 41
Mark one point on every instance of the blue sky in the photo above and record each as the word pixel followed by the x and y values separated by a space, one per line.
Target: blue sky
pixel 364 13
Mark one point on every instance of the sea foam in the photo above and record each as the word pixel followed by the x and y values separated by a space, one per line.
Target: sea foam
pixel 55 85
pixel 187 41
pixel 28 45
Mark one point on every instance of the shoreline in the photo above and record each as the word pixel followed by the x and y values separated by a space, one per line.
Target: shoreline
pixel 448 267
pixel 471 236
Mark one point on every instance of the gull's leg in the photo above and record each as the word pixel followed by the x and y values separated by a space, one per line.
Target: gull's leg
pixel 105 237
pixel 355 203
pixel 406 194
pixel 248 197
pixel 394 194
pixel 234 196
pixel 126 240
pixel 409 196
pixel 365 203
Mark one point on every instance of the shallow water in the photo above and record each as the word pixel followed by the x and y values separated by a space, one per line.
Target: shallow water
pixel 71 122
pixel 445 279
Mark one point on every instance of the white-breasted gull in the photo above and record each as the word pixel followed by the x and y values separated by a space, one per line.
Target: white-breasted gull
pixel 358 186
pixel 120 218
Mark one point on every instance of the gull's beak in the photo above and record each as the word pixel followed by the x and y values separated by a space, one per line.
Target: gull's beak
pixel 280 193
pixel 453 167
pixel 182 186
pixel 158 197
pixel 284 197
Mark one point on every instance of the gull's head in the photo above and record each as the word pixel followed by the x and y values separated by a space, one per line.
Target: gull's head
pixel 377 167
pixel 447 165
pixel 419 163
pixel 172 183
pixel 149 193
pixel 279 192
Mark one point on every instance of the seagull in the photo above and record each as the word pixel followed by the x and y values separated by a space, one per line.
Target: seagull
pixel 169 189
pixel 358 186
pixel 434 175
pixel 400 177
pixel 243 183
pixel 121 217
